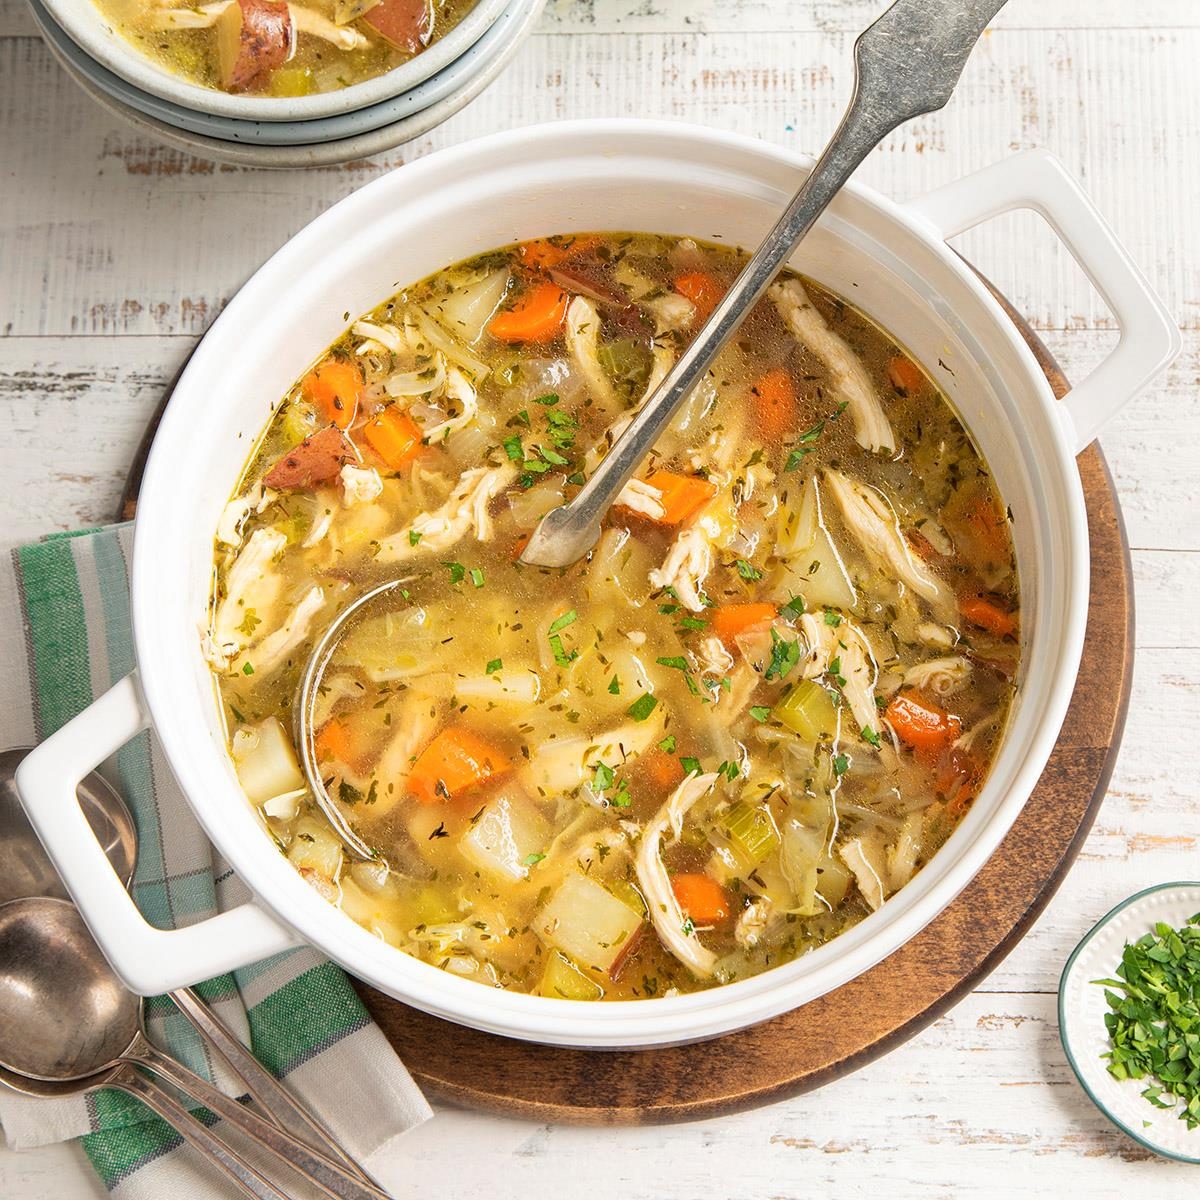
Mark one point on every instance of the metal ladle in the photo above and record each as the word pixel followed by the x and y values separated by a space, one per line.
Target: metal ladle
pixel 906 63
pixel 28 872
pixel 66 1019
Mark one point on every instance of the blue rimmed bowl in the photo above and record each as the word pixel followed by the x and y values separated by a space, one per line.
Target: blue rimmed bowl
pixel 1081 1009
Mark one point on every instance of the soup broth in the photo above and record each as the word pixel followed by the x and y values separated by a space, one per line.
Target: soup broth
pixel 749 716
pixel 280 49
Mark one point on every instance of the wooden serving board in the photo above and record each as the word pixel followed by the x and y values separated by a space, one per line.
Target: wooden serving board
pixel 876 1012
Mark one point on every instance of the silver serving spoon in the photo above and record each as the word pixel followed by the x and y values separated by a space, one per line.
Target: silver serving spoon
pixel 28 871
pixel 65 1018
pixel 906 63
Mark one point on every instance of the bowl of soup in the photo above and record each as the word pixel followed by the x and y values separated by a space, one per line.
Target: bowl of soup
pixel 267 60
pixel 751 744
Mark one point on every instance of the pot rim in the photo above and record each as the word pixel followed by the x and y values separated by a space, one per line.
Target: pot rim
pixel 637 1022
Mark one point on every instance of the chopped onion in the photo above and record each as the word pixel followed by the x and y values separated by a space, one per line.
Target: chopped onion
pixel 451 347
pixel 528 508
pixel 469 307
pixel 418 383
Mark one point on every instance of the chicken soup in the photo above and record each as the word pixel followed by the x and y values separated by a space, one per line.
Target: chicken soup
pixel 730 733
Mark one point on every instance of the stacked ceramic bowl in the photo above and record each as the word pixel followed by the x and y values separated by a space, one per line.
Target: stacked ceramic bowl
pixel 352 122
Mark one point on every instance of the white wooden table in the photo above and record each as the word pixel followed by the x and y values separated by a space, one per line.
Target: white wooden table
pixel 115 253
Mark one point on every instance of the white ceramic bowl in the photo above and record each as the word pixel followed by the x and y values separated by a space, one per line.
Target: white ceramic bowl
pixel 891 260
pixel 1081 1009
pixel 87 27
pixel 471 74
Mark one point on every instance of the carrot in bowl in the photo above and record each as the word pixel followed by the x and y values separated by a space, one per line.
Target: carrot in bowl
pixel 775 403
pixel 537 316
pixel 921 724
pixel 394 436
pixel 335 387
pixel 729 620
pixel 702 289
pixel 453 764
pixel 701 898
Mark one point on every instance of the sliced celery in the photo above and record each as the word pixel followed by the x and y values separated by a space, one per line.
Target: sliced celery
pixel 563 980
pixel 808 710
pixel 752 831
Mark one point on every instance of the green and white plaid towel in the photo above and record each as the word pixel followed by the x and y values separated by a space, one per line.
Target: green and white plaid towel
pixel 64 639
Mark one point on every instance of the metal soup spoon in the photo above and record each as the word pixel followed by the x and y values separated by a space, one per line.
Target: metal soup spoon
pixel 28 871
pixel 65 1017
pixel 906 63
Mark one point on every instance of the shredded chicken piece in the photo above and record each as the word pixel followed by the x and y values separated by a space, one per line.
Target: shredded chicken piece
pixel 714 658
pixel 360 485
pixel 460 390
pixel 305 20
pixel 935 635
pixel 941 676
pixel 583 334
pixel 269 654
pixel 676 934
pixel 753 922
pixel 388 336
pixel 672 311
pixel 417 720
pixel 324 521
pixel 870 518
pixel 251 588
pixel 850 380
pixel 856 664
pixel 561 765
pixel 465 511
pixel 868 876
pixel 643 498
pixel 731 704
pixel 233 517
pixel 687 564
pixel 203 16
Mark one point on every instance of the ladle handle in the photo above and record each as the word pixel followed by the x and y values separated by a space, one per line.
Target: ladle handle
pixel 906 64
pixel 267 1092
pixel 332 1180
pixel 239 1172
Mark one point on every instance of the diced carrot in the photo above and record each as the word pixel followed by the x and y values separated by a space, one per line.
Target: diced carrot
pixel 542 253
pixel 702 289
pixel 453 764
pixel 537 316
pixel 978 527
pixel 775 403
pixel 905 375
pixel 923 546
pixel 394 436
pixel 701 898
pixel 729 620
pixel 988 522
pixel 663 771
pixel 921 724
pixel 681 495
pixel 989 614
pixel 343 742
pixel 335 387
pixel 519 546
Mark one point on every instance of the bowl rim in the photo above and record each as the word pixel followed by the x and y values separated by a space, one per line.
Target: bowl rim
pixel 657 1021
pixel 90 30
pixel 1068 1014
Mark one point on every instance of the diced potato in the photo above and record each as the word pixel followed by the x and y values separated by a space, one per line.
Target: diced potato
pixel 508 836
pixel 253 38
pixel 563 980
pixel 812 566
pixel 808 710
pixel 315 847
pixel 266 762
pixel 587 923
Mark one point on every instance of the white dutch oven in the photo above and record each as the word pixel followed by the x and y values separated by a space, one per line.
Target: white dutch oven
pixel 891 260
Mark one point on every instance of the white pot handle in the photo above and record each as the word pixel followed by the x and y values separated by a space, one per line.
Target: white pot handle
pixel 149 960
pixel 1037 180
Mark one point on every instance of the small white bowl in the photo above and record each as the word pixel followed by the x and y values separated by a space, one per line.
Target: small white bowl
pixel 87 27
pixel 1081 1009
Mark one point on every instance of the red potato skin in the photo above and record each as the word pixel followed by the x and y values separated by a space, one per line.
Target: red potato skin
pixel 266 41
pixel 317 459
pixel 406 24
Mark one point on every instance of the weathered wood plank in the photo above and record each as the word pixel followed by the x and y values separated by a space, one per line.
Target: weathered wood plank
pixel 112 233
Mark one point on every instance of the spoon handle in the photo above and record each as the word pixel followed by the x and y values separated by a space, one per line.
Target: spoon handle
pixel 906 64
pixel 239 1172
pixel 267 1092
pixel 332 1180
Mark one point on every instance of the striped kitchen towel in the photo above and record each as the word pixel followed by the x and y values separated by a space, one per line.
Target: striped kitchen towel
pixel 64 639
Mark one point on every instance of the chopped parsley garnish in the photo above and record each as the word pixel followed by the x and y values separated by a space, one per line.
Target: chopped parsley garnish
pixel 747 570
pixel 532 860
pixel 1154 1019
pixel 603 776
pixel 250 622
pixel 690 765
pixel 614 686
pixel 414 537
pixel 688 926
pixel 247 669
pixel 642 707
pixel 785 654
pixel 548 399
pixel 832 619
pixel 560 623
pixel 512 447
pixel 667 745
pixel 457 571
pixel 835 671
pixel 796 457
pixel 793 608
pixel 493 666
pixel 561 656
pixel 477 577
pixel 692 623
pixel 760 712
pixel 841 764
pixel 675 661
pixel 869 735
